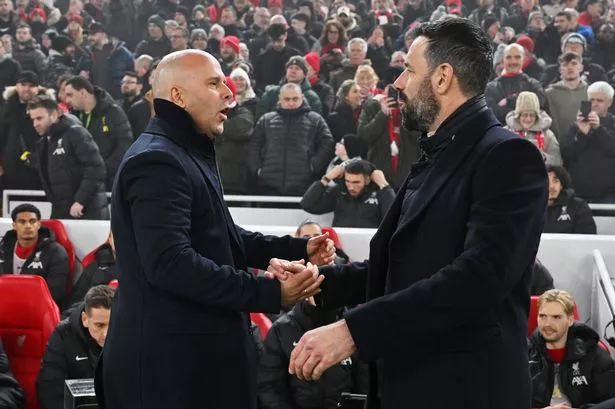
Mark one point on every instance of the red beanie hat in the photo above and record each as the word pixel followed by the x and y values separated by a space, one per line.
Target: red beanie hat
pixel 233 87
pixel 76 19
pixel 314 60
pixel 232 41
pixel 526 42
pixel 39 12
pixel 274 3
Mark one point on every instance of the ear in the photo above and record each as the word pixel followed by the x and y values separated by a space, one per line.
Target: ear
pixel 442 79
pixel 84 319
pixel 177 97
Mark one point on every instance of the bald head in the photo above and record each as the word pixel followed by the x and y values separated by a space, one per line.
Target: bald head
pixel 193 80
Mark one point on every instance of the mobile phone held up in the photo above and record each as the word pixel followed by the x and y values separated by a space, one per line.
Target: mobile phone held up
pixel 586 108
pixel 393 93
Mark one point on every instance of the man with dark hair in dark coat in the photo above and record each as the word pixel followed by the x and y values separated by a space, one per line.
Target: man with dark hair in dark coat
pixel 11 394
pixel 32 249
pixel 101 270
pixel 270 65
pixel 445 294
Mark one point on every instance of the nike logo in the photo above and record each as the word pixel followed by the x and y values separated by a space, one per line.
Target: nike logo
pixel 295 343
pixel 80 358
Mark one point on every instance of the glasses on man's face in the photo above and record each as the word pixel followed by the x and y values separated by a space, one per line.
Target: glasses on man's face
pixel 128 82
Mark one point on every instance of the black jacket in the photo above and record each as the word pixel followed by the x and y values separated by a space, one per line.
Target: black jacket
pixel 542 280
pixel 508 88
pixel 139 115
pixel 326 94
pixel 269 66
pixel 185 286
pixel 342 121
pixel 111 130
pixel 590 160
pixel 10 70
pixel 291 148
pixel 71 354
pixel 366 211
pixel 569 214
pixel 11 394
pixel 277 389
pixel 233 149
pixel 587 373
pixel 72 170
pixel 592 72
pixel 156 48
pixel 101 271
pixel 445 293
pixel 49 260
pixel 30 56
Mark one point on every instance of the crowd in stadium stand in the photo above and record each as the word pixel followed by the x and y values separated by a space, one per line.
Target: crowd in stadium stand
pixel 314 115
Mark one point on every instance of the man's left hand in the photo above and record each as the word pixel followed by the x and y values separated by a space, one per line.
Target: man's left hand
pixel 76 210
pixel 321 250
pixel 320 349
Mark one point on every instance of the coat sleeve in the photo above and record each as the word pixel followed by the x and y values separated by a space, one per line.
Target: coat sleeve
pixel 54 370
pixel 323 151
pixel 493 96
pixel 328 100
pixel 122 133
pixel 57 274
pixel 11 394
pixel 606 140
pixel 584 221
pixel 319 199
pixel 578 142
pixel 372 123
pixel 159 193
pixel 344 284
pixel 240 127
pixel 273 387
pixel 314 101
pixel 602 376
pixel 487 269
pixel 386 197
pixel 261 248
pixel 91 164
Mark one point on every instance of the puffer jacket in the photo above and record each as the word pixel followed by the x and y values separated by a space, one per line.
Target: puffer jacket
pixel 48 260
pixel 17 137
pixel 30 56
pixel 569 214
pixel 270 99
pixel 101 271
pixel 587 373
pixel 110 128
pixel 72 170
pixel 11 394
pixel 508 87
pixel 326 95
pixel 291 148
pixel 551 153
pixel 233 150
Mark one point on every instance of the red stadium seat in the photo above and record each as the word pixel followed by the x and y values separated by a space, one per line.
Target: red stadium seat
pixel 532 321
pixel 333 236
pixel 28 316
pixel 89 258
pixel 263 323
pixel 57 227
pixel 113 284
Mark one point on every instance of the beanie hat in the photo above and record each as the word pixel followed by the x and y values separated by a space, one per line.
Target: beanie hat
pixel 533 15
pixel 231 41
pixel 274 3
pixel 526 42
pixel 29 77
pixel 39 12
pixel 76 19
pixel 233 87
pixel 198 7
pixel 574 38
pixel 299 62
pixel 183 10
pixel 158 20
pixel 355 146
pixel 198 33
pixel 488 21
pixel 314 60
pixel 60 42
pixel 527 102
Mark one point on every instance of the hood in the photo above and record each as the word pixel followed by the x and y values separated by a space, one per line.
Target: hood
pixel 293 112
pixel 11 91
pixel 103 99
pixel 581 338
pixel 542 124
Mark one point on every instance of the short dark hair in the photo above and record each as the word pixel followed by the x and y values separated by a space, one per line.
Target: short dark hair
pixel 23 24
pixel 63 79
pixel 100 296
pixel 567 57
pixel 462 44
pixel 307 222
pixel 362 167
pixel 276 30
pixel 25 208
pixel 564 13
pixel 562 174
pixel 79 83
pixel 43 101
pixel 229 7
pixel 301 17
pixel 134 75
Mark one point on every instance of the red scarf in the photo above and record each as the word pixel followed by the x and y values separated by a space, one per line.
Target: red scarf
pixel 540 139
pixel 394 125
pixel 508 74
pixel 23 252
pixel 314 80
pixel 557 355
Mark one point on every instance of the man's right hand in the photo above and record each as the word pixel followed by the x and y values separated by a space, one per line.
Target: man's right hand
pixel 335 173
pixel 301 285
pixel 583 125
pixel 386 105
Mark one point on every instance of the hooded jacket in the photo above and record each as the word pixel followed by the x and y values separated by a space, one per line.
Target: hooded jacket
pixel 569 214
pixel 71 354
pixel 110 128
pixel 587 373
pixel 551 152
pixel 564 104
pixel 72 170
pixel 48 260
pixel 291 148
pixel 101 271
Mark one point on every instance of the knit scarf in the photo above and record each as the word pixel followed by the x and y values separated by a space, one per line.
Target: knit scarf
pixel 314 80
pixel 394 125
pixel 540 139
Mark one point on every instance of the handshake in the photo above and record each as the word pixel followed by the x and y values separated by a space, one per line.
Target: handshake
pixel 298 280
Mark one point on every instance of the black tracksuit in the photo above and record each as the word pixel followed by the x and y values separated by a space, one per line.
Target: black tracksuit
pixel 101 271
pixel 569 214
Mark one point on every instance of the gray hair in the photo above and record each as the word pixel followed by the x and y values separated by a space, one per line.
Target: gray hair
pixel 601 87
pixel 357 40
pixel 519 47
pixel 291 86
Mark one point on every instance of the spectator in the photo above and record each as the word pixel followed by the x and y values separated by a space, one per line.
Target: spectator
pixel 8 18
pixel 574 43
pixel 394 70
pixel 592 16
pixel 349 22
pixel 244 52
pixel 379 50
pixel 75 31
pixel 566 21
pixel 519 11
pixel 136 107
pixel 27 52
pixel 528 121
pixel 245 12
pixel 179 39
pixel 143 67
pixel 63 59
pixel 501 93
pixel 10 70
pixel 296 73
pixel 291 146
pixel 38 22
pixel 157 44
pixel 104 119
pixel 542 280
pixel 367 80
pixel 214 11
pixel 532 65
pixel 256 36
pixel 101 270
pixel 319 86
pixel 566 213
pixel 567 366
pixel 357 51
pixel 216 34
pixel 331 47
pixel 392 148
pixel 233 146
pixel 565 96
pixel 110 60
pixel 11 394
pixel 349 147
pixel 75 346
pixel 198 39
pixel 270 65
pixel 361 201
pixel 347 110
pixel 69 163
pixel 300 23
pixel 131 89
pixel 590 153
pixel 30 248
pixel 182 17
pixel 19 137
pixel 245 94
pixel 278 389
pixel 229 53
pixel 485 8
pixel 604 50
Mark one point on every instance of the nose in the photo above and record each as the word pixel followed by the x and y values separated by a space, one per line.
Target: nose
pixel 226 92
pixel 400 82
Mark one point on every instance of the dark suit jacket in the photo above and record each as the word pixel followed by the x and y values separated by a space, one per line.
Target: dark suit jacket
pixel 445 306
pixel 180 333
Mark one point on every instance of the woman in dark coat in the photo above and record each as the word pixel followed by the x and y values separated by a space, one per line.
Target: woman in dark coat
pixel 343 119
